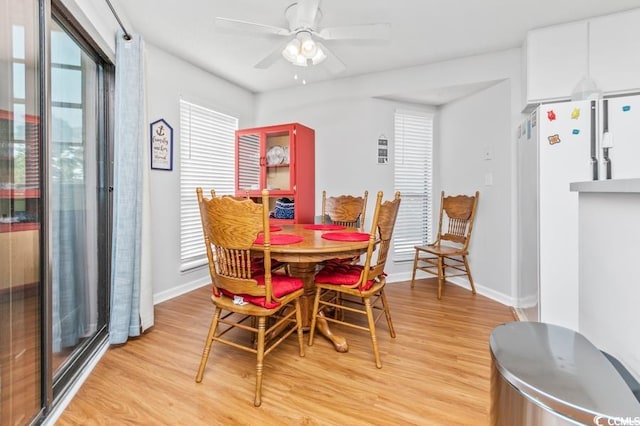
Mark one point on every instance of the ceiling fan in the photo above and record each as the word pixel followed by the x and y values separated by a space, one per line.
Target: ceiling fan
pixel 301 46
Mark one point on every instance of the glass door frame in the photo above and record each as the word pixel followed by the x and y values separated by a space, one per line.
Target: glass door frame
pixel 55 386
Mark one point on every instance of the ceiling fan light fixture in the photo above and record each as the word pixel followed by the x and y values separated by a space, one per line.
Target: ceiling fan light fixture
pixel 303 51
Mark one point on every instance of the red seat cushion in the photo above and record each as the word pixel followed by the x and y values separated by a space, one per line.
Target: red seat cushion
pixel 257 265
pixel 281 285
pixel 336 272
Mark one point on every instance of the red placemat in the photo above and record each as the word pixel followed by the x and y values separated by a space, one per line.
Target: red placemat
pixel 324 226
pixel 275 228
pixel 346 236
pixel 280 239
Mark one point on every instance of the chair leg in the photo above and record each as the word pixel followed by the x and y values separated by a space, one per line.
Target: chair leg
pixel 440 276
pixel 208 344
pixel 260 361
pixel 314 317
pixel 466 265
pixel 299 327
pixel 387 313
pixel 415 266
pixel 372 330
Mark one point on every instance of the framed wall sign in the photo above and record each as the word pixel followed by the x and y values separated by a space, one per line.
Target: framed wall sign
pixel 161 145
pixel 383 150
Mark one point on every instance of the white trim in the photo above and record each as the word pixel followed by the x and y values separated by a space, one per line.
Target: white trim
pixel 88 16
pixel 462 282
pixel 181 289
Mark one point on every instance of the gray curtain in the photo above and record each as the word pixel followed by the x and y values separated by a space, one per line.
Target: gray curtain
pixel 74 208
pixel 128 272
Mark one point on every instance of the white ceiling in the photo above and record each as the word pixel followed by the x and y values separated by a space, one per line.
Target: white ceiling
pixel 422 32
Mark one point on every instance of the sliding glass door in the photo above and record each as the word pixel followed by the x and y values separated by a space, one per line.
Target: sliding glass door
pixel 77 200
pixel 54 204
pixel 21 287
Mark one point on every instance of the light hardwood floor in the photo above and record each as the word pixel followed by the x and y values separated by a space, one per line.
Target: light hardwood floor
pixel 435 372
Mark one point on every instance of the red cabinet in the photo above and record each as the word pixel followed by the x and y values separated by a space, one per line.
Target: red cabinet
pixel 19 200
pixel 281 159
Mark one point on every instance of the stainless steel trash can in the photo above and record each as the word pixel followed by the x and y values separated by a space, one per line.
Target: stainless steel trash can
pixel 543 374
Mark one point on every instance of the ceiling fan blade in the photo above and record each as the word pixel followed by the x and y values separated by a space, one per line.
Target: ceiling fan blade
pixel 356 32
pixel 272 57
pixel 235 24
pixel 306 14
pixel 332 63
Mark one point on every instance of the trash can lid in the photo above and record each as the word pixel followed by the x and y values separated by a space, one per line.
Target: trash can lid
pixel 561 370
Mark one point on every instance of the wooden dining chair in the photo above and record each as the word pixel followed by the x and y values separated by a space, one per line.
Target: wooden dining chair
pixel 345 210
pixel 359 289
pixel 450 250
pixel 245 292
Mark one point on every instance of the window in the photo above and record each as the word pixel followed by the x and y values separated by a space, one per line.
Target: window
pixel 207 152
pixel 413 178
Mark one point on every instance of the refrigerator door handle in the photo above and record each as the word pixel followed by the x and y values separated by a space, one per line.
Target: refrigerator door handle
pixel 606 138
pixel 594 148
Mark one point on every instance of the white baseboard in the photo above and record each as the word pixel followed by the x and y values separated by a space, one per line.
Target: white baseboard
pixel 462 282
pixel 392 278
pixel 180 290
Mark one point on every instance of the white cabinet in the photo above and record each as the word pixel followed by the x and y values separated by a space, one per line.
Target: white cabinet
pixel 556 60
pixel 615 52
pixel 606 47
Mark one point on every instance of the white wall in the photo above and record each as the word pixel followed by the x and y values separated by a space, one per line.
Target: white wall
pixel 168 80
pixel 609 290
pixel 467 129
pixel 348 118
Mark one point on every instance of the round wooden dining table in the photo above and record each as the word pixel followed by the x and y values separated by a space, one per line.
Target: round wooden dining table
pixel 303 258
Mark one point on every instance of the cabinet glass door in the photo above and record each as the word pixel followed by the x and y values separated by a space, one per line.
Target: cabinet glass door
pixel 278 149
pixel 249 162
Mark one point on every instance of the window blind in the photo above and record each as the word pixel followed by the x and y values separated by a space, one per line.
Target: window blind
pixel 413 159
pixel 207 152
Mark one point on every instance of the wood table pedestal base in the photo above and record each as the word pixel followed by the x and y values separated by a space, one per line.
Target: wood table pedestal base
pixel 307 271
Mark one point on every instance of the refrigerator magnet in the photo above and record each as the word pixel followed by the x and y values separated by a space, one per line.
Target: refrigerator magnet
pixel 626 108
pixel 554 139
pixel 575 114
pixel 575 132
pixel 551 115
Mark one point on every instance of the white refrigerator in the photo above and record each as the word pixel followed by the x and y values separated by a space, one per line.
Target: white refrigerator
pixel 558 144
